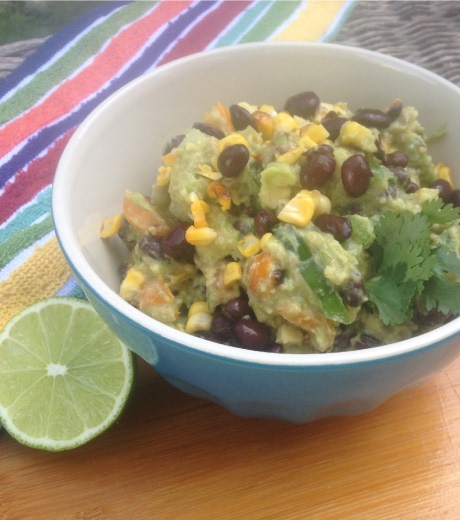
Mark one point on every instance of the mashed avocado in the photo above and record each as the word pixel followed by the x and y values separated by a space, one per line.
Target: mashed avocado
pixel 315 228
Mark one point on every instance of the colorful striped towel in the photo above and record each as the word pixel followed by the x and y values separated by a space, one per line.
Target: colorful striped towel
pixel 47 97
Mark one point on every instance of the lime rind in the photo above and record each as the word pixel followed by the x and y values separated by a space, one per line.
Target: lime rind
pixel 64 376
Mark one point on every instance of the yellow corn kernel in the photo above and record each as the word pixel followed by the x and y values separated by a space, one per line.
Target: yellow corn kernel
pixel 200 236
pixel 249 245
pixel 284 122
pixel 199 208
pixel 316 132
pixel 198 306
pixel 233 138
pixel 290 157
pixel 132 282
pixel 200 321
pixel 322 203
pixel 205 170
pixel 299 210
pixel 218 191
pixel 268 109
pixel 232 273
pixel 358 136
pixel 306 143
pixel 444 172
pixel 264 124
pixel 264 239
pixel 164 175
pixel 111 226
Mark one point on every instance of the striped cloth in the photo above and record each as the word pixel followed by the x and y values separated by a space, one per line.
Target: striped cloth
pixel 44 100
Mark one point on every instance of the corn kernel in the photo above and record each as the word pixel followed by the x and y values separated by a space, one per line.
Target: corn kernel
pixel 233 138
pixel 198 322
pixel 264 124
pixel 268 109
pixel 299 210
pixel 322 203
pixel 205 170
pixel 290 157
pixel 232 273
pixel 200 236
pixel 164 175
pixel 444 172
pixel 306 143
pixel 284 122
pixel 316 132
pixel 132 282
pixel 199 209
pixel 358 136
pixel 264 240
pixel 198 306
pixel 249 245
pixel 218 191
pixel 111 226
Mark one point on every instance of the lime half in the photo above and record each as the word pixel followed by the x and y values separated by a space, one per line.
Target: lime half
pixel 64 376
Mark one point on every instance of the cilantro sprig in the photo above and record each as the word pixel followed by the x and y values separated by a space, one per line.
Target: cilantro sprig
pixel 407 266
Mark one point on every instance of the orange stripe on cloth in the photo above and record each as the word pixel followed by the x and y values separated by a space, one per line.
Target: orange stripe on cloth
pixel 92 78
pixel 39 277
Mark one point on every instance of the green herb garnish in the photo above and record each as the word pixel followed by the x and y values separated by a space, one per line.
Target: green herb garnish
pixel 407 266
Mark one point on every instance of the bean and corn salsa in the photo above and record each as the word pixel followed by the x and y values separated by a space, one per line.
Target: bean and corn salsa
pixel 295 230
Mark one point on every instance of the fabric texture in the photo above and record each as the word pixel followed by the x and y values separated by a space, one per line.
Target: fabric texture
pixel 44 100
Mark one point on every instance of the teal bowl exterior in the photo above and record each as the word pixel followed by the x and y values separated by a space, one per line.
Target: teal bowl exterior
pixel 120 143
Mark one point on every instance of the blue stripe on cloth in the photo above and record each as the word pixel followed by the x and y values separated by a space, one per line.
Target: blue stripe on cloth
pixel 51 46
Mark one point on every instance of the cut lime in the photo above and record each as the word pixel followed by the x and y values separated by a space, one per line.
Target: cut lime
pixel 64 376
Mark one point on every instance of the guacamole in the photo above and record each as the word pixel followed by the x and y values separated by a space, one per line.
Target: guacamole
pixel 307 229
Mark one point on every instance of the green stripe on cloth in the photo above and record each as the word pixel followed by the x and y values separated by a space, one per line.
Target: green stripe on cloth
pixel 60 70
pixel 243 24
pixel 23 239
pixel 272 20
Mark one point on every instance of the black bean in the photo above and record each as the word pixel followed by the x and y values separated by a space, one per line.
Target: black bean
pixel 316 171
pixel 264 220
pixel 151 246
pixel 209 129
pixel 339 227
pixel 354 294
pixel 232 160
pixel 323 149
pixel 274 348
pixel 411 187
pixel 398 159
pixel 243 227
pixel 241 118
pixel 174 142
pixel 371 117
pixel 455 198
pixel 367 340
pixel 252 334
pixel 394 109
pixel 402 176
pixel 445 191
pixel 221 326
pixel 333 126
pixel 209 335
pixel 304 104
pixel 174 244
pixel 356 175
pixel 236 308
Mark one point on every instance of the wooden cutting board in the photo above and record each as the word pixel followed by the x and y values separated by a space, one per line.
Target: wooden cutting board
pixel 172 456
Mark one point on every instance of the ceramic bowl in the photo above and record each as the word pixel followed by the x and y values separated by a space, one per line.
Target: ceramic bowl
pixel 119 146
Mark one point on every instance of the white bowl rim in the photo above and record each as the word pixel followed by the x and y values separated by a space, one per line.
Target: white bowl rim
pixel 86 274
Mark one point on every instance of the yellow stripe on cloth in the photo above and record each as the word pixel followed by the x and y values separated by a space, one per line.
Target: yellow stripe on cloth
pixel 313 21
pixel 39 277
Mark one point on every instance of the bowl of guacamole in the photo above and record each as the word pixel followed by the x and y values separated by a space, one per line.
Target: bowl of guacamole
pixel 290 250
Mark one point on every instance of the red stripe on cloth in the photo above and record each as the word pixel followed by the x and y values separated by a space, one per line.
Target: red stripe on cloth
pixel 27 183
pixel 92 78
pixel 206 30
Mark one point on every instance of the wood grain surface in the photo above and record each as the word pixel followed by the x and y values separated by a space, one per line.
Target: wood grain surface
pixel 172 456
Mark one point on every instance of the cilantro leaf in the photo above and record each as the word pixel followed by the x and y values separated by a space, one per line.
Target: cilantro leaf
pixel 442 294
pixel 391 293
pixel 439 213
pixel 404 238
pixel 447 261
